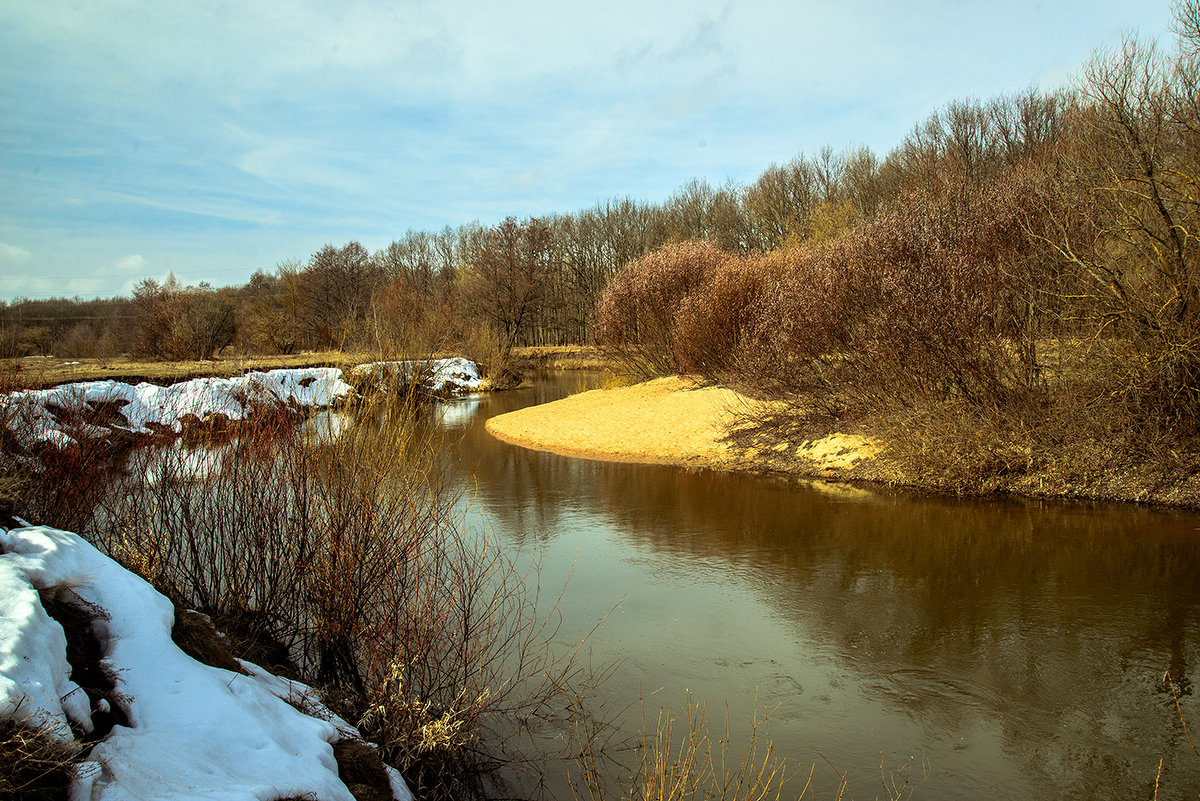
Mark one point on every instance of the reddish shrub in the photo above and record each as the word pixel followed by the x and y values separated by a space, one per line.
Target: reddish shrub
pixel 638 316
pixel 924 300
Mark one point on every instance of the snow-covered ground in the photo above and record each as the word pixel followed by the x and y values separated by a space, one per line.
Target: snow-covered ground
pixel 453 376
pixel 194 731
pixel 31 415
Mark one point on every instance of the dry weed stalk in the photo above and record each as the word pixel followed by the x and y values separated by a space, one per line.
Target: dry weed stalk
pixel 38 764
pixel 676 762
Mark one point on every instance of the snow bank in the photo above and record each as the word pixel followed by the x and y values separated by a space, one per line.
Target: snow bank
pixel 36 417
pixel 195 731
pixel 452 376
pixel 30 414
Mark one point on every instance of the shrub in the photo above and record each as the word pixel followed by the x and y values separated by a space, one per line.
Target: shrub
pixel 925 301
pixel 337 544
pixel 711 321
pixel 653 314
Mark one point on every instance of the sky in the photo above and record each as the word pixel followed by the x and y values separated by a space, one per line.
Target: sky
pixel 211 139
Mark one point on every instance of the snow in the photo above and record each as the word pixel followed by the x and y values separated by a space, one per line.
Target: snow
pixel 195 731
pixel 454 376
pixel 30 415
pixel 35 687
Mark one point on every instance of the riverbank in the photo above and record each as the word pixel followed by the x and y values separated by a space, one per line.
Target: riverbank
pixel 676 421
pixel 42 372
pixel 682 422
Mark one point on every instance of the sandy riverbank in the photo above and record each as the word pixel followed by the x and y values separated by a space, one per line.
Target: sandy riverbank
pixel 666 421
pixel 680 422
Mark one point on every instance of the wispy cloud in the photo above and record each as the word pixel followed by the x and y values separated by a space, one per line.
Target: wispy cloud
pixel 13 255
pixel 221 137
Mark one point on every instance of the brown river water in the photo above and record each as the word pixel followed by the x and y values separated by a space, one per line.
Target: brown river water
pixel 1012 649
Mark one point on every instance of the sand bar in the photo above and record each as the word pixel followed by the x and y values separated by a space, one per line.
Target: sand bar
pixel 669 421
pixel 665 421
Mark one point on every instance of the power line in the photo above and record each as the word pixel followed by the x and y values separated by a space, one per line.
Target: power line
pixel 23 295
pixel 70 318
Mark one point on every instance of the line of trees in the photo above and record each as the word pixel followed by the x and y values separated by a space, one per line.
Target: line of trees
pixel 534 281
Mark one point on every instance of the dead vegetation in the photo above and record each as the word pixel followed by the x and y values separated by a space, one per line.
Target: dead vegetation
pixel 37 765
pixel 361 769
pixel 333 553
pixel 196 636
pixel 85 654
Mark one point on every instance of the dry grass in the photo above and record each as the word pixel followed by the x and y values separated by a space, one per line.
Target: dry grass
pixel 361 769
pixel 37 372
pixel 561 357
pixel 36 764
pixel 678 760
pixel 196 636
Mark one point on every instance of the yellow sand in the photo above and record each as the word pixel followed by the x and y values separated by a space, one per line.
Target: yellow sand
pixel 665 421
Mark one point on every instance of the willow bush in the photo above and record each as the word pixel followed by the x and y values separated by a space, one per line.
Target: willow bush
pixel 678 309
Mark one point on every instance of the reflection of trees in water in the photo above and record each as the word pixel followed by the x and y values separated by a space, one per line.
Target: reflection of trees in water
pixel 1054 622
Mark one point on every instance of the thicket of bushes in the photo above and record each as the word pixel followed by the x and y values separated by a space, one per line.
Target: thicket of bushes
pixel 1028 267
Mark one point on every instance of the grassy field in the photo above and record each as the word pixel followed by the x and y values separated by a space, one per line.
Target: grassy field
pixel 39 372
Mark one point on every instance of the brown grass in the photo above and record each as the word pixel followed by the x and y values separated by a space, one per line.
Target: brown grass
pixel 196 636
pixel 678 760
pixel 36 764
pixel 361 769
pixel 37 372
pixel 560 357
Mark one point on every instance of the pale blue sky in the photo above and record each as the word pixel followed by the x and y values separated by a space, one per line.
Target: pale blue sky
pixel 213 138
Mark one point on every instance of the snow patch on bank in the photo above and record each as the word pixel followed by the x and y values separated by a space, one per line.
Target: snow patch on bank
pixel 195 731
pixel 55 416
pixel 452 376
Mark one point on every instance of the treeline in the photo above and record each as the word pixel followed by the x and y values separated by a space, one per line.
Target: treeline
pixel 1017 277
pixel 534 281
pixel 521 282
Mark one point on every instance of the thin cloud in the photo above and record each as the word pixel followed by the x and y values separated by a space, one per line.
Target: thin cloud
pixel 12 254
pixel 130 264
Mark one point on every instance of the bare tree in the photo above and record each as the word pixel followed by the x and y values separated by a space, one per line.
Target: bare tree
pixel 509 279
pixel 1129 223
pixel 336 291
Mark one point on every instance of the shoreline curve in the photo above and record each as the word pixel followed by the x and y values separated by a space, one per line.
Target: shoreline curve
pixel 668 421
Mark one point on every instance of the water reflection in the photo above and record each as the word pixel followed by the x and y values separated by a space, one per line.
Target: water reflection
pixel 325 426
pixel 1019 646
pixel 457 413
pixel 178 460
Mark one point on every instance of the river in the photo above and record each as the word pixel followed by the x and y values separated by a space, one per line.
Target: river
pixel 1011 649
